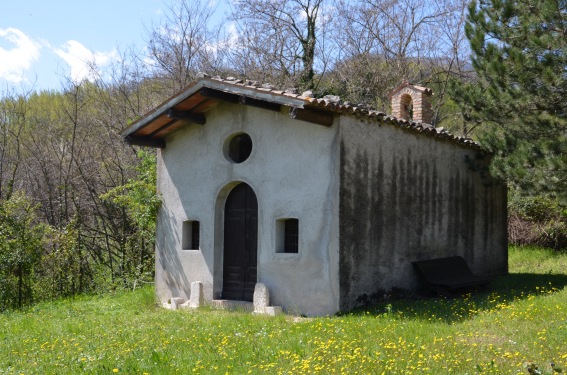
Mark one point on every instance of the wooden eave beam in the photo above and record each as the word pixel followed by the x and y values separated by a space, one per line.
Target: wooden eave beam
pixel 239 98
pixel 145 141
pixel 220 95
pixel 197 118
pixel 259 103
pixel 313 116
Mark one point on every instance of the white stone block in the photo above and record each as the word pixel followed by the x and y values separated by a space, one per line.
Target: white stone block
pixel 176 301
pixel 261 298
pixel 197 299
pixel 166 305
pixel 273 310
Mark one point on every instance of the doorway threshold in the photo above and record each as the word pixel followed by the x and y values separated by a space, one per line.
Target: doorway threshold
pixel 225 304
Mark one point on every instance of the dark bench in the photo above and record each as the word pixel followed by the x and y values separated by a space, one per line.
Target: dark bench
pixel 446 275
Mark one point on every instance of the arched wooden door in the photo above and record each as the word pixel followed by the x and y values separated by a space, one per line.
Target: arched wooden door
pixel 240 244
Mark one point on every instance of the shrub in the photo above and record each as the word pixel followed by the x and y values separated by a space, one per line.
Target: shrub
pixel 537 221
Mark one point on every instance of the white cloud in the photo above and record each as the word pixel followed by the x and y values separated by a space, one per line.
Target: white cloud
pixel 15 61
pixel 84 63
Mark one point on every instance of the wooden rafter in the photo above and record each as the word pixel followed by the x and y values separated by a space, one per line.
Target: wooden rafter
pixel 313 116
pixel 145 141
pixel 197 118
pixel 260 103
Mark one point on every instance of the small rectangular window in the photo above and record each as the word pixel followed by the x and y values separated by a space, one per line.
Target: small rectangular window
pixel 287 236
pixel 291 241
pixel 190 239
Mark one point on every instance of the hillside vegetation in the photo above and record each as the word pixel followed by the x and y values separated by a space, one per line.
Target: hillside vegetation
pixel 520 320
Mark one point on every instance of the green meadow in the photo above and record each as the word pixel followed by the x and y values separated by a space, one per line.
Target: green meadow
pixel 520 321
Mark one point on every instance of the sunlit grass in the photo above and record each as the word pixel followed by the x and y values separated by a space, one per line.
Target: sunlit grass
pixel 521 318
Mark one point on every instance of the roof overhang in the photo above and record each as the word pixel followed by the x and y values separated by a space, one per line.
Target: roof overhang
pixel 191 105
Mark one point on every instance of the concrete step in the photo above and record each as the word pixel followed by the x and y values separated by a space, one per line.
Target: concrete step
pixel 225 304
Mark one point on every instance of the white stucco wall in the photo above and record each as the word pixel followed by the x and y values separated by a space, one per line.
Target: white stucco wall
pixel 293 169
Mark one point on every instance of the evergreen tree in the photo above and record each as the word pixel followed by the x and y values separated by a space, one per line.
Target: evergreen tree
pixel 519 52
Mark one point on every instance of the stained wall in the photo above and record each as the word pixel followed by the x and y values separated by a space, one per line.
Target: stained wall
pixel 405 197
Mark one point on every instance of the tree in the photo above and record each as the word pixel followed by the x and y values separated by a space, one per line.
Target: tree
pixel 141 201
pixel 384 42
pixel 278 38
pixel 14 109
pixel 183 44
pixel 520 56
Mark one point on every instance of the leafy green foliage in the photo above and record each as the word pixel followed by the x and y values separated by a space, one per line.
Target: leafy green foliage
pixel 139 196
pixel 537 220
pixel 64 151
pixel 140 200
pixel 536 209
pixel 21 239
pixel 66 268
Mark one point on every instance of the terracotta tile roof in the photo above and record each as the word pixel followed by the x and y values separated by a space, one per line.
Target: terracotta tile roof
pixel 266 92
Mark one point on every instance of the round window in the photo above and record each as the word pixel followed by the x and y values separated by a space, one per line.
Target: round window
pixel 238 147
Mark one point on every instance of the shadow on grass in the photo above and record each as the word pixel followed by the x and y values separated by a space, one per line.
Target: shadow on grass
pixel 502 290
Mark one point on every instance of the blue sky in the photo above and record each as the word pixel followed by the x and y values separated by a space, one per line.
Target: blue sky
pixel 41 41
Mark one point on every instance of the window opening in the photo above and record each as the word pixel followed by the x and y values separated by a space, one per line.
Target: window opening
pixel 406 107
pixel 239 148
pixel 291 241
pixel 287 236
pixel 191 235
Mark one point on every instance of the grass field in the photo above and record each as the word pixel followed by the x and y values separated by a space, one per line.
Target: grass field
pixel 522 318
